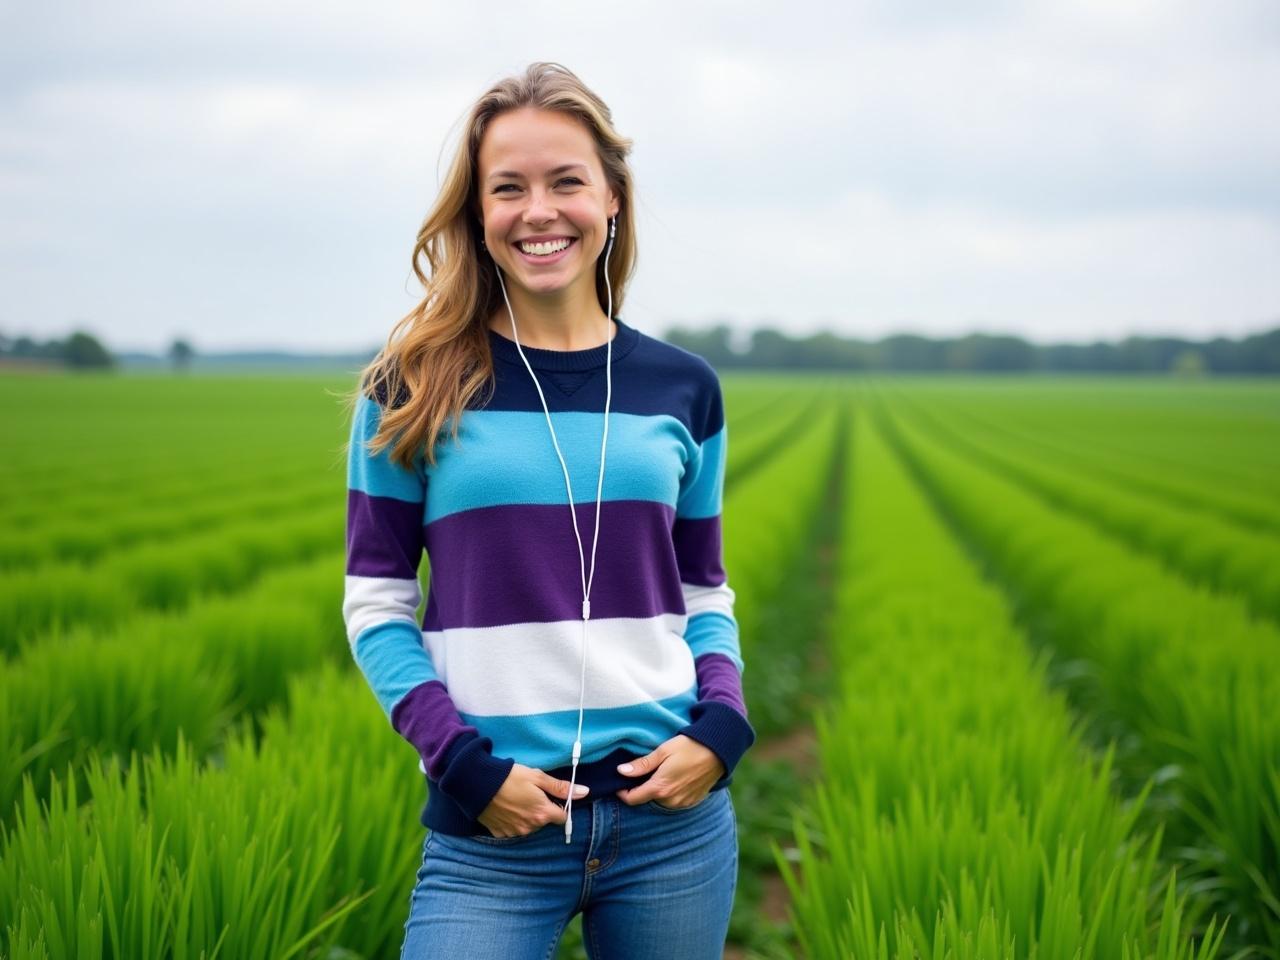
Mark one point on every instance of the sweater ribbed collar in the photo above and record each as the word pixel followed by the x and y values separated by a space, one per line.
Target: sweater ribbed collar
pixel 566 360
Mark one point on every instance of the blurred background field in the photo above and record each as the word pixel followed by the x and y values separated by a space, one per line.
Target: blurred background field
pixel 1010 647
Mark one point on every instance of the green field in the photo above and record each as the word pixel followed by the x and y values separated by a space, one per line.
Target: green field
pixel 1011 651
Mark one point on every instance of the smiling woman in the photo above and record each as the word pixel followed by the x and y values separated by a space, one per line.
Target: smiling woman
pixel 544 221
pixel 578 725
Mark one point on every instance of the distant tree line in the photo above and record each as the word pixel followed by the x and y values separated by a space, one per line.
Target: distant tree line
pixel 772 349
pixel 80 350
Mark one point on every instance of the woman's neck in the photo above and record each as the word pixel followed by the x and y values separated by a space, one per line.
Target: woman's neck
pixel 554 323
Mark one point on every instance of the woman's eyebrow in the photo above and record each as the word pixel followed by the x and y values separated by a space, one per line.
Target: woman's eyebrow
pixel 551 173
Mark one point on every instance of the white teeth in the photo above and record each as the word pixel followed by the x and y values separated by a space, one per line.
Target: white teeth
pixel 543 249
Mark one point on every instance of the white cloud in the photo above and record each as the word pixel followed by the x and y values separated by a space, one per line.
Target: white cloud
pixel 1051 168
pixel 879 266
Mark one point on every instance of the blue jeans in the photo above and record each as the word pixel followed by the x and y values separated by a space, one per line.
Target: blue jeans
pixel 651 883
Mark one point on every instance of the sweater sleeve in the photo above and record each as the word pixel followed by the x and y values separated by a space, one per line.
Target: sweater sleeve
pixel 719 717
pixel 385 504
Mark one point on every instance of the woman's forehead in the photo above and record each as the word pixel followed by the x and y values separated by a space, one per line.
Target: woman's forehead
pixel 530 143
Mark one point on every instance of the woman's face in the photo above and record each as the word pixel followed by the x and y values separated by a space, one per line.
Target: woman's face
pixel 540 179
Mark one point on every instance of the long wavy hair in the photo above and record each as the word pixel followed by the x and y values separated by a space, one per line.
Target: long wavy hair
pixel 437 356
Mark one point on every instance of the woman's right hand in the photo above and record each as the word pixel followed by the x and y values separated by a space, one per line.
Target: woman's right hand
pixel 521 804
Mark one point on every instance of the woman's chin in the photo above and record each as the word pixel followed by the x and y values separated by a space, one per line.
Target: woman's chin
pixel 541 285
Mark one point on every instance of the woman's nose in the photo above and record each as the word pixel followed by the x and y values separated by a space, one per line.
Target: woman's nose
pixel 539 210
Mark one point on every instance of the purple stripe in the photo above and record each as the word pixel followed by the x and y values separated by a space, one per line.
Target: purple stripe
pixel 718 679
pixel 518 563
pixel 698 550
pixel 428 719
pixel 384 536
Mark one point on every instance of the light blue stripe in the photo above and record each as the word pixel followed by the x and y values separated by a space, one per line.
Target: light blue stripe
pixel 545 740
pixel 507 457
pixel 393 660
pixel 702 489
pixel 714 633
pixel 377 475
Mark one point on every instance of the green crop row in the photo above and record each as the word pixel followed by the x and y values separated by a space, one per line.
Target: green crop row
pixel 36 603
pixel 767 520
pixel 958 813
pixel 303 846
pixel 1184 676
pixel 1204 549
pixel 786 421
pixel 90 689
pixel 136 685
pixel 1224 433
pixel 42 484
pixel 148 518
pixel 1047 438
pixel 192 484
pixel 50 532
pixel 74 437
pixel 83 492
pixel 750 400
pixel 123 886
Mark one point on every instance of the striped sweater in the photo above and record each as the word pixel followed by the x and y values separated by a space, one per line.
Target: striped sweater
pixel 491 675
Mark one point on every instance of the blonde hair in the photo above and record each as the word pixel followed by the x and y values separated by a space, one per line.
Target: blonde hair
pixel 437 356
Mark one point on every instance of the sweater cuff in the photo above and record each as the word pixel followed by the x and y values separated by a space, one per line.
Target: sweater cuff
pixel 723 730
pixel 472 775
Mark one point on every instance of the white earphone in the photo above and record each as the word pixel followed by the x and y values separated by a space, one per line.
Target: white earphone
pixel 586 581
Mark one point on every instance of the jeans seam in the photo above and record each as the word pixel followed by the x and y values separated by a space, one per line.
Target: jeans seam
pixel 589 926
pixel 586 871
pixel 737 857
pixel 555 940
pixel 615 837
pixel 413 892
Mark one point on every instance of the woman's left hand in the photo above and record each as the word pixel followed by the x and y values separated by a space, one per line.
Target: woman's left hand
pixel 683 773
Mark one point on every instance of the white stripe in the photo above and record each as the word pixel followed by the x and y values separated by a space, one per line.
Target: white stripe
pixel 537 667
pixel 369 601
pixel 708 599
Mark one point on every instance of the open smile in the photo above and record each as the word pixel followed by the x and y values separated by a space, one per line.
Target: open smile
pixel 551 251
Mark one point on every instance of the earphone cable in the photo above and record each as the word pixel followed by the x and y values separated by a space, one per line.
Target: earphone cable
pixel 586 580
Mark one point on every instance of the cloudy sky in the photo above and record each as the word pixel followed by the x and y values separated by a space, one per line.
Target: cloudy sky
pixel 253 174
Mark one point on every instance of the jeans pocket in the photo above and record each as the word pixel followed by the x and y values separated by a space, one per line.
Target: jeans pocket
pixel 518 838
pixel 655 805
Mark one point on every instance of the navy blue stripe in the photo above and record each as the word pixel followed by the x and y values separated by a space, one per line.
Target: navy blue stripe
pixel 670 381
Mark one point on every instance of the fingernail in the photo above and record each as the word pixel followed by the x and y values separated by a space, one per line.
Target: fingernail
pixel 580 790
pixel 625 768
